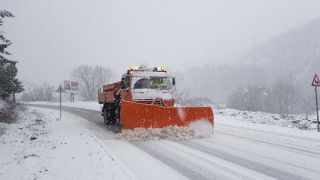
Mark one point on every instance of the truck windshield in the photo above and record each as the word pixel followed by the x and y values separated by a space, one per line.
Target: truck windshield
pixel 142 82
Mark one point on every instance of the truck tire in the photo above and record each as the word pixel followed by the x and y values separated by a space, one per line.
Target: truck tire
pixel 109 114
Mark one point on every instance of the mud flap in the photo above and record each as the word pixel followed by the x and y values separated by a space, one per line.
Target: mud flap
pixel 137 115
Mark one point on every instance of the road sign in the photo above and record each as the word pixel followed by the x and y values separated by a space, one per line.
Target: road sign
pixel 60 88
pixel 71 87
pixel 315 81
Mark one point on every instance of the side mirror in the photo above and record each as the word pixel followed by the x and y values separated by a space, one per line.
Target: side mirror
pixel 123 84
pixel 174 81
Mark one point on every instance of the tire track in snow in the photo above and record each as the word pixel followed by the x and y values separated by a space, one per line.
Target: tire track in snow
pixel 225 146
pixel 288 147
pixel 195 164
pixel 272 133
pixel 257 167
pixel 181 168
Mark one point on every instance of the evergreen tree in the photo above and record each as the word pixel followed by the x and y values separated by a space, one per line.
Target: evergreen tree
pixel 4 43
pixel 9 85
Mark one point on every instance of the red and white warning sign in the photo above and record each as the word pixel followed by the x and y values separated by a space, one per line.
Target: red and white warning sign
pixel 315 81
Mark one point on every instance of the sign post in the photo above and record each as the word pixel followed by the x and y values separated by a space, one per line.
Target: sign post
pixel 60 89
pixel 60 100
pixel 316 83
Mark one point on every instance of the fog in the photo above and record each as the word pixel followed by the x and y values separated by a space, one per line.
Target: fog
pixel 50 37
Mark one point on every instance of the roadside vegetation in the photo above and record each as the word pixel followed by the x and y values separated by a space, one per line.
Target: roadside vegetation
pixel 9 84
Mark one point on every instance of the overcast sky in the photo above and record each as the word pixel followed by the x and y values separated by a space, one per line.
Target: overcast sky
pixel 51 37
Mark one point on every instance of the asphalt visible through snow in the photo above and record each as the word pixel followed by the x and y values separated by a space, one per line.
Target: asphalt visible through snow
pixel 231 153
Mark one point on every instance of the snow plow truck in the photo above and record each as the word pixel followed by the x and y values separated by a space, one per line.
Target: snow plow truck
pixel 144 99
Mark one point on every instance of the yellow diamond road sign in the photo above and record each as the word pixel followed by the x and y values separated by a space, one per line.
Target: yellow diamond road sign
pixel 315 81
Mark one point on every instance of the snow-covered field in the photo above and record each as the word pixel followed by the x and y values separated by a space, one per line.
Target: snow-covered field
pixel 41 146
pixel 303 122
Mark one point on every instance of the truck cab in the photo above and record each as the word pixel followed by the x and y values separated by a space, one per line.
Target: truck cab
pixel 138 85
pixel 148 86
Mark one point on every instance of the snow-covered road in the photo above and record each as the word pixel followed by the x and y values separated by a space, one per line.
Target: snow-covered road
pixel 233 152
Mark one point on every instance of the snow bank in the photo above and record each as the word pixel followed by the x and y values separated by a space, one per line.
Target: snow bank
pixel 197 129
pixel 39 146
pixel 303 122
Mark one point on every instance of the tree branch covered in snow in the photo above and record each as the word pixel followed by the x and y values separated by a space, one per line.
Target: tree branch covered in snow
pixel 281 97
pixel 91 78
pixel 43 92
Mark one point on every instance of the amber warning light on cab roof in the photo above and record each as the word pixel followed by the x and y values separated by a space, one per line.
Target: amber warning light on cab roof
pixel 159 69
pixel 136 68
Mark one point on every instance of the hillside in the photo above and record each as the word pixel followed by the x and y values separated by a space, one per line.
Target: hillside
pixel 293 57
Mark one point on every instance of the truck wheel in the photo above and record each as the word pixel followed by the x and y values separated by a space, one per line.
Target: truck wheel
pixel 109 114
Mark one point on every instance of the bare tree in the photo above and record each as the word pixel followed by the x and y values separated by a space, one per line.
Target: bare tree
pixel 286 97
pixel 281 98
pixel 29 93
pixel 48 91
pixel 249 99
pixel 43 92
pixel 91 78
pixel 268 104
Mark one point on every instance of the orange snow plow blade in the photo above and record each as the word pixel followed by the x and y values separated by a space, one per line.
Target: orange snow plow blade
pixel 136 115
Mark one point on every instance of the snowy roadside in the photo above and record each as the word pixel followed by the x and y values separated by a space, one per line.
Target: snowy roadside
pixel 40 146
pixel 229 116
pixel 301 122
